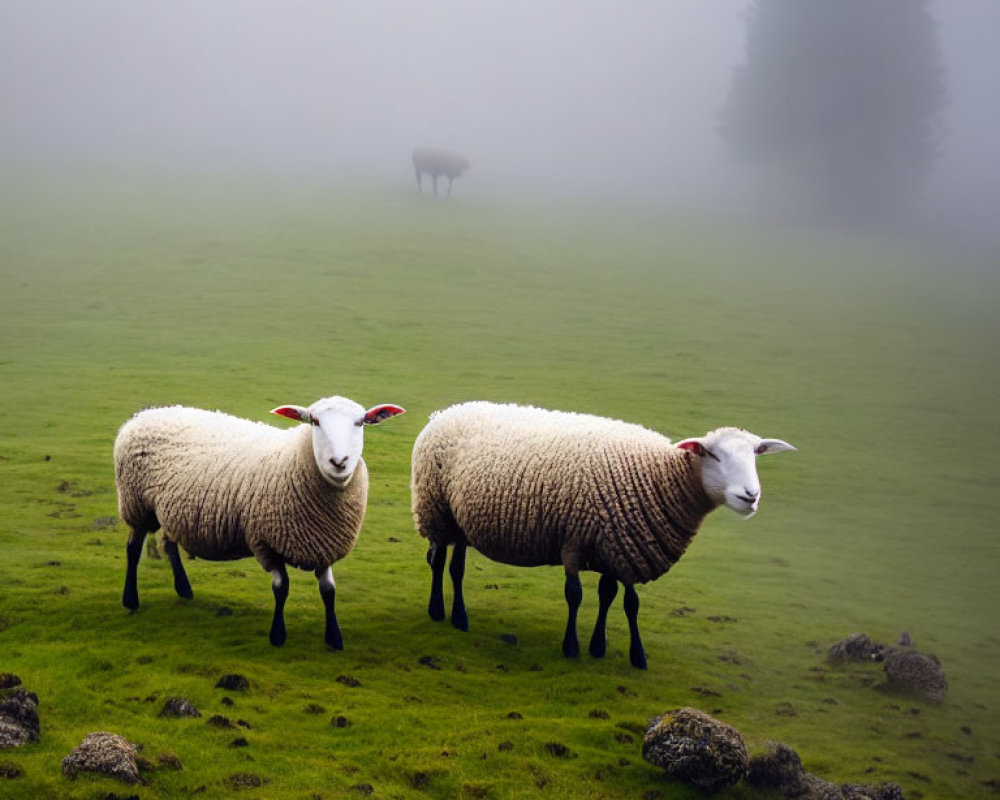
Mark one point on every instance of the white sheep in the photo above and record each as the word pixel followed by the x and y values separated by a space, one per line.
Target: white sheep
pixel 225 488
pixel 530 487
pixel 438 162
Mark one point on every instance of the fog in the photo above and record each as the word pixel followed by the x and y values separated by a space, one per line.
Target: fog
pixel 592 99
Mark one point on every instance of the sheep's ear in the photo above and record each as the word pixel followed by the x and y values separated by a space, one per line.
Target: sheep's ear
pixel 293 412
pixel 694 445
pixel 768 446
pixel 376 414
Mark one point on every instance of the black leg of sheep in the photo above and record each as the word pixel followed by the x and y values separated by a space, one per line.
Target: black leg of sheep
pixel 133 552
pixel 607 590
pixel 636 652
pixel 436 557
pixel 573 592
pixel 459 617
pixel 181 584
pixel 279 585
pixel 328 592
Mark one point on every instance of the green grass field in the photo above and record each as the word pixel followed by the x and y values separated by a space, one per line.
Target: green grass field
pixel 242 294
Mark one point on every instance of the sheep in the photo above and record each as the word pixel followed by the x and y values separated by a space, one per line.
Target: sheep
pixel 438 162
pixel 530 487
pixel 225 488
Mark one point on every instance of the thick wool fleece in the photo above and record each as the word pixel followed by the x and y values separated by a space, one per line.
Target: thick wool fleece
pixel 530 487
pixel 226 488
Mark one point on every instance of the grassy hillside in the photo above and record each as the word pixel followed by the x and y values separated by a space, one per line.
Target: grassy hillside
pixel 880 366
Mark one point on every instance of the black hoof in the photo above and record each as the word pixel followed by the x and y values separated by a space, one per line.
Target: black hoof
pixel 184 591
pixel 598 648
pixel 277 637
pixel 436 611
pixel 460 621
pixel 571 649
pixel 638 658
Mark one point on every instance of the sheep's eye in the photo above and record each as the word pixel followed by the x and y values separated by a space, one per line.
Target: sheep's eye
pixel 710 453
pixel 359 423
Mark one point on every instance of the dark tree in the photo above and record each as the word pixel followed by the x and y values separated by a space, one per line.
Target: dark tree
pixel 839 101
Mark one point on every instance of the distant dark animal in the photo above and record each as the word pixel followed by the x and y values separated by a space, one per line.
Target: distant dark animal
pixel 438 162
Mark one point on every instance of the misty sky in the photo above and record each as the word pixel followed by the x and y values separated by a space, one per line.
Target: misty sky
pixel 561 94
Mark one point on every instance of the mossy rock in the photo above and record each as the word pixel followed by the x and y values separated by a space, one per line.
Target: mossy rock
pixel 697 749
pixel 104 753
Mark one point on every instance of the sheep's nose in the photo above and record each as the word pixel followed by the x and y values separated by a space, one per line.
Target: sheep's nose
pixel 339 464
pixel 750 495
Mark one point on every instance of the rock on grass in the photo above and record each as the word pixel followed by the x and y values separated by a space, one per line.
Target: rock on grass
pixel 558 750
pixel 179 707
pixel 105 753
pixel 245 780
pixel 233 683
pixel 780 769
pixel 170 761
pixel 8 769
pixel 697 749
pixel 909 671
pixel 19 723
pixel 886 791
pixel 856 647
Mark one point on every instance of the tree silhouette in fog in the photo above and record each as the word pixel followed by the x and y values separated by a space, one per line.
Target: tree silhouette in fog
pixel 839 103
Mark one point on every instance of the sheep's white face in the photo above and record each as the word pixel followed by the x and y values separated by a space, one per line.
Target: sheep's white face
pixel 338 438
pixel 338 433
pixel 729 466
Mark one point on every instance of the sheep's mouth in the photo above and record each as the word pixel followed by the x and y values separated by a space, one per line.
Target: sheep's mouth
pixel 745 507
pixel 339 481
